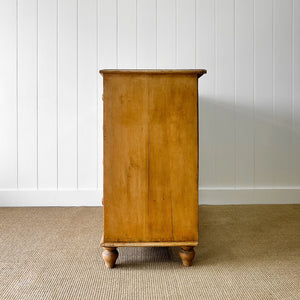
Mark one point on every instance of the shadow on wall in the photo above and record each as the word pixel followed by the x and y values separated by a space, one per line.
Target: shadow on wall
pixel 246 144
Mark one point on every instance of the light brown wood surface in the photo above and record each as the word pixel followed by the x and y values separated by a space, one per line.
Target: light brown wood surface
pixel 197 72
pixel 150 157
pixel 125 158
pixel 110 255
pixel 173 158
pixel 147 244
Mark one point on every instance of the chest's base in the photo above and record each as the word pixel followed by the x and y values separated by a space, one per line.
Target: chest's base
pixel 110 252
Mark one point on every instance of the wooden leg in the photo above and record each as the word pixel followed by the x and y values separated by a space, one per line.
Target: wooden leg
pixel 187 255
pixel 110 255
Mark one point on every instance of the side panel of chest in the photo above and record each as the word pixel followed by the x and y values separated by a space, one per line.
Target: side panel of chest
pixel 150 158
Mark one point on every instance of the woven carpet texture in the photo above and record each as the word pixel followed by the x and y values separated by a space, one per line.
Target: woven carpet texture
pixel 245 252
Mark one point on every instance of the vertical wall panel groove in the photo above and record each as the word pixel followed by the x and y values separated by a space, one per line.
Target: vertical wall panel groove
pixel 87 95
pixel 244 133
pixel 136 33
pixel 215 95
pixel 57 90
pixel 47 97
pixel 98 89
pixel 195 35
pixel 17 91
pixel 37 94
pixel 253 93
pixel 224 109
pixel 296 92
pixel 108 28
pixel 156 49
pixel 117 33
pixel 146 35
pixel 8 109
pixel 273 91
pixel 263 93
pixel 205 58
pixel 67 95
pixel 282 93
pixel 235 108
pixel 108 24
pixel 127 34
pixel 294 143
pixel 292 58
pixel 186 44
pixel 176 34
pixel 77 97
pixel 27 94
pixel 166 34
pixel 295 95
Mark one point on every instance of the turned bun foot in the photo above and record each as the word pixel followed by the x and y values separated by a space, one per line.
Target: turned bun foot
pixel 110 255
pixel 187 255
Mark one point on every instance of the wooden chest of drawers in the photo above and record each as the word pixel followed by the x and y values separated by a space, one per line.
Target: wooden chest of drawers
pixel 150 160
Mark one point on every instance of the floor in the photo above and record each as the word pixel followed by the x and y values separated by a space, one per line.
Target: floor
pixel 245 252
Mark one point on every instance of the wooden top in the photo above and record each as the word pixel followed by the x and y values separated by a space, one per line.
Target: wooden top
pixel 198 72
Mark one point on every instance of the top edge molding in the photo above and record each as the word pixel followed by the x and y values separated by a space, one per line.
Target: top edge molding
pixel 198 72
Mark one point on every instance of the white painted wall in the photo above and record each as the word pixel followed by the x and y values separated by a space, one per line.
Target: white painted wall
pixel 50 91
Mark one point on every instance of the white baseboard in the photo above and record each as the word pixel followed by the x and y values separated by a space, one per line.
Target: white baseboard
pixel 249 196
pixel 207 196
pixel 50 198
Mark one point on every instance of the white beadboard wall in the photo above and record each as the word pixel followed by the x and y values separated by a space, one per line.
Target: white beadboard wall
pixel 50 92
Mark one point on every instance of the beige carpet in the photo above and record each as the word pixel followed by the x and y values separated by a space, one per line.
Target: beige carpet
pixel 246 252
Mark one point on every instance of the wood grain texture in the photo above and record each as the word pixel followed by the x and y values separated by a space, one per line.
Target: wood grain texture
pixel 147 244
pixel 150 157
pixel 110 256
pixel 173 162
pixel 187 255
pixel 125 158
